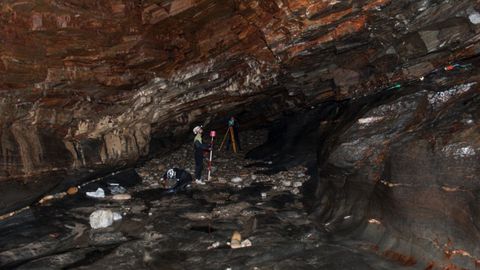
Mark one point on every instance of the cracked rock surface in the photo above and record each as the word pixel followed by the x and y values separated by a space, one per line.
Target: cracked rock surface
pixel 188 230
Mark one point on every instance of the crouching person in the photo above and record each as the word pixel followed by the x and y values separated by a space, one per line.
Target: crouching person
pixel 175 180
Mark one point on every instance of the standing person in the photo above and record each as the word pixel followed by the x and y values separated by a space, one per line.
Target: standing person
pixel 199 148
pixel 233 123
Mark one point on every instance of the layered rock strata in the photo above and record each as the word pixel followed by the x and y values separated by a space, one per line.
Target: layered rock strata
pixel 85 86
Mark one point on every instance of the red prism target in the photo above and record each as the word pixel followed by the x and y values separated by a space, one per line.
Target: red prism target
pixel 213 133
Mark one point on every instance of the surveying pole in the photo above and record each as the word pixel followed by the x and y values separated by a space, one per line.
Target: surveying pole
pixel 212 135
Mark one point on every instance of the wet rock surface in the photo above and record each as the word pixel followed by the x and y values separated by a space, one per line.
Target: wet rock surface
pixel 189 230
pixel 403 173
pixel 89 88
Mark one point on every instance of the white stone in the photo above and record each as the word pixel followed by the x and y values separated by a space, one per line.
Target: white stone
pixel 235 244
pixel 374 221
pixel 474 17
pixel 246 243
pixel 295 191
pixel 297 184
pixel 147 257
pixel 287 183
pixel 391 50
pixel 236 180
pixel 214 245
pixel 116 216
pixel 99 193
pixel 369 120
pixel 103 218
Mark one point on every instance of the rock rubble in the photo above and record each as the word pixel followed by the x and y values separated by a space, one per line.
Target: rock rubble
pixel 228 169
pixel 192 229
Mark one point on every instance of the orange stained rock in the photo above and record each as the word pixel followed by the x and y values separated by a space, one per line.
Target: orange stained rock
pixel 401 258
pixel 450 251
pixel 178 6
pixel 332 18
pixel 375 4
pixel 430 266
pixel 53 101
pixel 296 5
pixel 342 30
pixel 118 7
pixel 72 190
pixel 314 9
pixel 441 63
pixel 350 27
pixel 246 32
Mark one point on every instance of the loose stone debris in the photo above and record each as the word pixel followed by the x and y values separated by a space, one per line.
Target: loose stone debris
pixel 121 197
pixel 103 218
pixel 227 166
pixel 52 197
pixel 99 193
pixel 72 190
pixel 145 228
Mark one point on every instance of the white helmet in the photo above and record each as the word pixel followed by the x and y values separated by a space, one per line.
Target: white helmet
pixel 197 129
pixel 171 173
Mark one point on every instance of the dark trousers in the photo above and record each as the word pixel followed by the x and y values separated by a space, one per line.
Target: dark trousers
pixel 198 165
pixel 182 183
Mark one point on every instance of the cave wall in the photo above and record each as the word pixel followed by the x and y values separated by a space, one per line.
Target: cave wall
pixel 403 173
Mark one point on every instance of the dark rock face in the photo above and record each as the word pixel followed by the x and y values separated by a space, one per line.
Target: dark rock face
pixel 405 175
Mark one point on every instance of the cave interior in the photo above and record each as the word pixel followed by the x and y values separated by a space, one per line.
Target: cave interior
pixel 359 123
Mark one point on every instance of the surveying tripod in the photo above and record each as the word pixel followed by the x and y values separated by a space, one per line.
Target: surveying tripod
pixel 232 139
